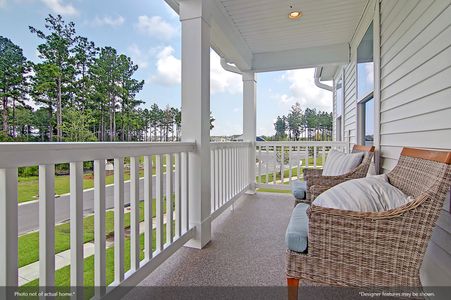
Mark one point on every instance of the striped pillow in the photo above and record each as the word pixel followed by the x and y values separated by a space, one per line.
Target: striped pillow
pixel 339 163
pixel 369 194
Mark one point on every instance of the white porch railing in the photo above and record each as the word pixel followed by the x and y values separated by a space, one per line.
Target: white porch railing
pixel 229 174
pixel 46 155
pixel 278 163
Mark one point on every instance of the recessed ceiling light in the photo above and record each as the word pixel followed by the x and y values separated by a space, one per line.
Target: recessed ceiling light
pixel 295 15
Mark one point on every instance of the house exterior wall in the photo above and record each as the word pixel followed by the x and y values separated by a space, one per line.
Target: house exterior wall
pixel 415 97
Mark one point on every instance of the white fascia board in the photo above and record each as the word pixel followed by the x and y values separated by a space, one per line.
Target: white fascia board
pixel 301 58
pixel 225 38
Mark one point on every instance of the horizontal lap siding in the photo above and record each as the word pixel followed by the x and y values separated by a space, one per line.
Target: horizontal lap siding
pixel 416 100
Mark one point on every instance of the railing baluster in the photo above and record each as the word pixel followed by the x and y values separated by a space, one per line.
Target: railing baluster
pixel 159 202
pixel 299 160
pixel 134 214
pixel 224 177
pixel 184 179
pixel 323 156
pixel 240 162
pixel 76 224
pixel 216 176
pixel 118 220
pixel 212 181
pixel 282 164
pixel 307 156
pixel 99 228
pixel 275 165
pixel 148 203
pixel 169 207
pixel 46 225
pixel 178 211
pixel 227 151
pixel 266 165
pixel 290 172
pixel 260 164
pixel 8 228
pixel 234 177
pixel 314 157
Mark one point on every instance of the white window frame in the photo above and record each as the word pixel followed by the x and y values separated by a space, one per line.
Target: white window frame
pixel 362 99
pixel 340 115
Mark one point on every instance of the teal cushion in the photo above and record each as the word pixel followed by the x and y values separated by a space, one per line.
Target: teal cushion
pixel 298 188
pixel 297 230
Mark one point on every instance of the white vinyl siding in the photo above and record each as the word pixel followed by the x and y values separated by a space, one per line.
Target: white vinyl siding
pixel 415 98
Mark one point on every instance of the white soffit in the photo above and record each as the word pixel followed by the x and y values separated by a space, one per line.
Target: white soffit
pixel 258 34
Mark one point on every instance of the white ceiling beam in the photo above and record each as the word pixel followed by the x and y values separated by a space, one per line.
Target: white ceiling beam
pixel 301 58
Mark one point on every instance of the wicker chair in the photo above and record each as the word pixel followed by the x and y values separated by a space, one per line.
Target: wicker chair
pixel 316 183
pixel 376 249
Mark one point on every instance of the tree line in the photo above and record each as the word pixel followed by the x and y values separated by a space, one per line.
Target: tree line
pixel 76 92
pixel 309 125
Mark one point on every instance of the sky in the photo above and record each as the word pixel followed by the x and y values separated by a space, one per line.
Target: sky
pixel 150 33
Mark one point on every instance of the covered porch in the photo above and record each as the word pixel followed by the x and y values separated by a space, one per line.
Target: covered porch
pixel 224 232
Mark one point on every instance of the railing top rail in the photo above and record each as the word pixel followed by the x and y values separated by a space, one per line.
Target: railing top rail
pixel 301 143
pixel 29 154
pixel 218 145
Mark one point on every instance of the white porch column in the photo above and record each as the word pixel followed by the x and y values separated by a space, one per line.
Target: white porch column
pixel 196 113
pixel 250 121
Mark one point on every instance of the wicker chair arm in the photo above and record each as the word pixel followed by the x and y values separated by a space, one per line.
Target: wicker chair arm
pixel 311 173
pixel 317 190
pixel 327 181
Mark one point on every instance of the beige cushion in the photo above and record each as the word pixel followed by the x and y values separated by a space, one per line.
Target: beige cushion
pixel 372 193
pixel 339 163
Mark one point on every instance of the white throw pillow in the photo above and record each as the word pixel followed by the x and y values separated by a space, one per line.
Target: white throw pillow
pixel 369 194
pixel 339 163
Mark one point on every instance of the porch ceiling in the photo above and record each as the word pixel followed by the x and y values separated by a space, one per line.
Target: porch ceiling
pixel 258 35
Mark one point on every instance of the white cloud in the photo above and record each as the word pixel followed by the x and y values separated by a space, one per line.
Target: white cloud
pixel 108 21
pixel 141 57
pixel 169 68
pixel 60 8
pixel 222 81
pixel 169 72
pixel 155 26
pixel 303 90
pixel 2 3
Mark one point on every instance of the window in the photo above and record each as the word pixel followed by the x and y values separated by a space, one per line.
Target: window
pixel 339 96
pixel 338 129
pixel 365 88
pixel 365 65
pixel 368 122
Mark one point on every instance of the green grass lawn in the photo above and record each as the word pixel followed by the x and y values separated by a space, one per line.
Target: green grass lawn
pixel 29 243
pixel 62 276
pixel 286 173
pixel 267 190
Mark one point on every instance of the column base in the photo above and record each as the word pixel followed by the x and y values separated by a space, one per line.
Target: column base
pixel 203 234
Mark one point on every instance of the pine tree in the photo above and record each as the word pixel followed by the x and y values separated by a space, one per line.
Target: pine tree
pixel 56 53
pixel 13 69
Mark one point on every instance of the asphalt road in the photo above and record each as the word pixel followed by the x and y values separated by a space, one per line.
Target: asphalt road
pixel 29 211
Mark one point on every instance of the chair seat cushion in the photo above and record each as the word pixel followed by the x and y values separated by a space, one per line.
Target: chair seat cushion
pixel 369 194
pixel 298 188
pixel 297 230
pixel 339 163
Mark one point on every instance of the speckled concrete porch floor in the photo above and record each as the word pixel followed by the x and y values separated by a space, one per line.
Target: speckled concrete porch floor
pixel 247 249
